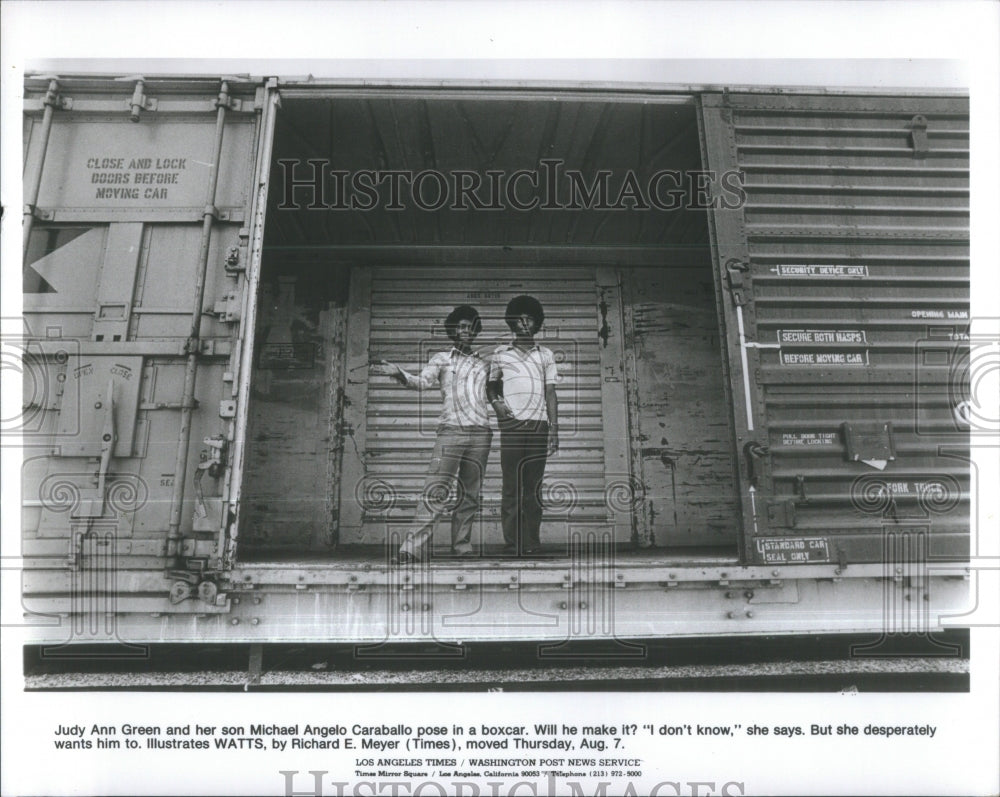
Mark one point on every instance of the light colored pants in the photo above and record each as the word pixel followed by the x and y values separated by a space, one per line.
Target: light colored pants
pixel 459 462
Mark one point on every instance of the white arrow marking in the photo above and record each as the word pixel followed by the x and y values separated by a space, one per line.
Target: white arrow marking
pixel 746 366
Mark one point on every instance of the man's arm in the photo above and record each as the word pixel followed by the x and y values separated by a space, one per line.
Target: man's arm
pixel 494 395
pixel 551 402
pixel 552 410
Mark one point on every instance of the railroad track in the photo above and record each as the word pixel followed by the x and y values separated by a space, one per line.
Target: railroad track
pixel 817 664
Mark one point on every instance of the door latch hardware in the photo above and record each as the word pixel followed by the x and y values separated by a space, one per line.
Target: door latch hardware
pixel 754 453
pixel 736 272
pixel 918 136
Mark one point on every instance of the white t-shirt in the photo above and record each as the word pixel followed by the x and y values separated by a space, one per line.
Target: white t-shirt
pixel 525 375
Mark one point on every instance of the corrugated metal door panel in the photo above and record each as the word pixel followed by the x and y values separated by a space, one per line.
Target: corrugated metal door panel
pixel 403 323
pixel 847 268
pixel 110 273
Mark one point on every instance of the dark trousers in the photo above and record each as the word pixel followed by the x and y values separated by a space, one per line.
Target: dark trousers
pixel 523 451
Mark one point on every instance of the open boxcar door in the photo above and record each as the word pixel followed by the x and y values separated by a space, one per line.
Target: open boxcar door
pixel 845 266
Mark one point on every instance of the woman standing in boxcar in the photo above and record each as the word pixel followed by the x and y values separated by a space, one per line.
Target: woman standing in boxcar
pixel 463 437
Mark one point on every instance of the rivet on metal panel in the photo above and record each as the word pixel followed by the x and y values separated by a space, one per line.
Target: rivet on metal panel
pixel 235 621
pixel 731 615
pixel 749 613
pixel 404 607
pixel 563 604
pixel 583 604
pixel 729 594
pixel 255 621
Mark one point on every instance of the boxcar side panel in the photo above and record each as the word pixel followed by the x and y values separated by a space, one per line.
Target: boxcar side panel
pixel 852 305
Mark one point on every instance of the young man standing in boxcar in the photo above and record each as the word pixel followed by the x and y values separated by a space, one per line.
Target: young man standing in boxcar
pixel 522 390
pixel 463 438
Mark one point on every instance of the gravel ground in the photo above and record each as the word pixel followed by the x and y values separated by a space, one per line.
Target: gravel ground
pixel 323 677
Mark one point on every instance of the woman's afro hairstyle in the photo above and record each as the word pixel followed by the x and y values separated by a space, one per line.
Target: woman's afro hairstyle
pixel 463 312
pixel 524 305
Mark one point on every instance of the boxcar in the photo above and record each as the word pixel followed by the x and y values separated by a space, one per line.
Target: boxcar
pixel 758 301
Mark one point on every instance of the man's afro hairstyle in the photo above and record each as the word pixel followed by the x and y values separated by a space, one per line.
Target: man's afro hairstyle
pixel 524 305
pixel 463 312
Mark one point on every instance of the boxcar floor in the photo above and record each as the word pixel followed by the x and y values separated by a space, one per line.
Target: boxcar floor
pixel 351 556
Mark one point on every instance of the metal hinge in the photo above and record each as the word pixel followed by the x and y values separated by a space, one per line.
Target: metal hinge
pixel 138 102
pixel 229 308
pixel 54 98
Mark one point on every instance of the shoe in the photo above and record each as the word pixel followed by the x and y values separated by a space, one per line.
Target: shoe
pixel 403 558
pixel 463 554
pixel 531 550
pixel 509 550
